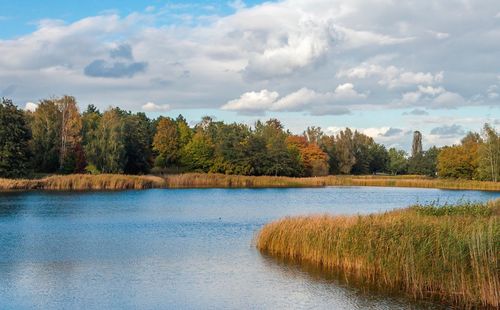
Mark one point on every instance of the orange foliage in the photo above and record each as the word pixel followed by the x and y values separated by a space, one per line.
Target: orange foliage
pixel 315 161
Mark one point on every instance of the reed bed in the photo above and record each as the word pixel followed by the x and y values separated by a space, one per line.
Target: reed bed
pixel 84 182
pixel 445 253
pixel 197 180
pixel 203 180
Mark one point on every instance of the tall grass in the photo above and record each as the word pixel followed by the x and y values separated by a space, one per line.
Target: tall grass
pixel 195 180
pixel 84 182
pixel 450 255
pixel 202 180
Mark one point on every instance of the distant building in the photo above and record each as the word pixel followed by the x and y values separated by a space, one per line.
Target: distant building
pixel 416 147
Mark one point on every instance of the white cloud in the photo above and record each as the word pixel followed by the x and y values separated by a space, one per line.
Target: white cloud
pixel 391 76
pixel 153 107
pixel 351 38
pixel 30 106
pixel 304 99
pixel 291 47
pixel 448 100
pixel 254 102
pixel 429 90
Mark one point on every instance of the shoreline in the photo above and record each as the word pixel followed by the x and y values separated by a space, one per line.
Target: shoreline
pixel 87 182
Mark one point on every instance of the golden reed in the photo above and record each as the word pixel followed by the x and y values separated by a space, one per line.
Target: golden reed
pixel 448 256
pixel 84 182
pixel 196 180
pixel 204 180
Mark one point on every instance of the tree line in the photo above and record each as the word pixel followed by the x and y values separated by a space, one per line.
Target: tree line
pixel 57 138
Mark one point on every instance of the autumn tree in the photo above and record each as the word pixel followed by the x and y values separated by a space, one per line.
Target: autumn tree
pixel 312 157
pixel 166 142
pixel 14 137
pixel 71 158
pixel 460 161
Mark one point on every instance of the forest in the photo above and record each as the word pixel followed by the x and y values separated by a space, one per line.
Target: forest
pixel 58 138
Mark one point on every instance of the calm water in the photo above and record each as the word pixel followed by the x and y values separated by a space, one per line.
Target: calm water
pixel 158 249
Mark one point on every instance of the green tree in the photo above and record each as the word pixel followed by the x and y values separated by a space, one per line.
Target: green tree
pixel 328 145
pixel 90 128
pixel 110 152
pixel 424 163
pixel 345 151
pixel 137 139
pixel 398 164
pixel 14 137
pixel 379 158
pixel 278 159
pixel 46 125
pixel 489 155
pixel 231 149
pixel 361 150
pixel 198 154
pixel 184 131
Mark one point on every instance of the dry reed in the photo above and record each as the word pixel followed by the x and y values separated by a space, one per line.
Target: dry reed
pixel 196 180
pixel 450 256
pixel 203 180
pixel 84 182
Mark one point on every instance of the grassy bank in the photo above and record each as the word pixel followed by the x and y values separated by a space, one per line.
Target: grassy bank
pixel 84 182
pixel 446 253
pixel 202 180
pixel 197 180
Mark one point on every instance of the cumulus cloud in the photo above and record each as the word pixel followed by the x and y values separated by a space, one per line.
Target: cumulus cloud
pixel 400 58
pixel 448 100
pixel 153 107
pixel 304 99
pixel 253 102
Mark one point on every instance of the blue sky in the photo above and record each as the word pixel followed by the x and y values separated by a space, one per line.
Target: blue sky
pixel 384 68
pixel 21 17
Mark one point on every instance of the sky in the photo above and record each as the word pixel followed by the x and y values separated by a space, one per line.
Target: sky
pixel 384 67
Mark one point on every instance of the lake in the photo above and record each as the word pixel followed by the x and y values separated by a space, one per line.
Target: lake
pixel 178 248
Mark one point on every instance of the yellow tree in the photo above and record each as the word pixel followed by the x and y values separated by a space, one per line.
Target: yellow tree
pixel 166 142
pixel 71 134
